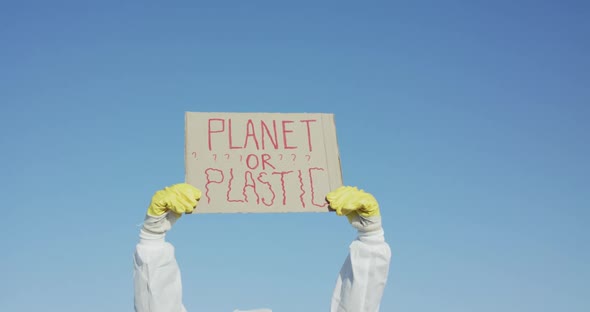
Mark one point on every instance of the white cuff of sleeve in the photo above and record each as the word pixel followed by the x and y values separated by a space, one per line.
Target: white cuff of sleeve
pixel 368 224
pixel 376 236
pixel 146 236
pixel 155 227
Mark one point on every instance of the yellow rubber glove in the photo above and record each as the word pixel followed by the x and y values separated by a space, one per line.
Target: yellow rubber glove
pixel 179 198
pixel 360 207
pixel 166 207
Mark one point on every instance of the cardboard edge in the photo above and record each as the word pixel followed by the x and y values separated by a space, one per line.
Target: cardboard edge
pixel 338 149
pixel 186 114
pixel 197 212
pixel 329 129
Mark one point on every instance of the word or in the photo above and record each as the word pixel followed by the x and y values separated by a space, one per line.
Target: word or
pixel 264 186
pixel 261 138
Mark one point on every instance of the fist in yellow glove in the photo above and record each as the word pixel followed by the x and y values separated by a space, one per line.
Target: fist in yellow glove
pixel 179 198
pixel 360 207
pixel 166 207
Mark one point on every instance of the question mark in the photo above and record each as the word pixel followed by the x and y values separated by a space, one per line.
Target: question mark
pixel 281 156
pixel 215 157
pixel 294 156
pixel 308 157
pixel 226 156
pixel 194 154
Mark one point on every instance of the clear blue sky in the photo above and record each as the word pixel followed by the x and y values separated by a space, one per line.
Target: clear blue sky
pixel 468 120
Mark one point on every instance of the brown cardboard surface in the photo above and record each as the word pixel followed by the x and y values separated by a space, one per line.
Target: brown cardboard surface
pixel 262 162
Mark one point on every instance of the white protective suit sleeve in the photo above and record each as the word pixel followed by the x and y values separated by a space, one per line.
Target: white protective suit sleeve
pixel 359 287
pixel 156 277
pixel 362 278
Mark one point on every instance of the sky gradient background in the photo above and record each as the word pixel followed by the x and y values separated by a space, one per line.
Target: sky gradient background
pixel 468 120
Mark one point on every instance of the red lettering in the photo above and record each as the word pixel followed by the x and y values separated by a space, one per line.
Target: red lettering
pixel 283 174
pixel 252 190
pixel 312 188
pixel 308 132
pixel 264 127
pixel 285 131
pixel 231 146
pixel 252 185
pixel 301 187
pixel 231 178
pixel 272 200
pixel 210 131
pixel 209 181
pixel 250 133
pixel 265 159
pixel 248 161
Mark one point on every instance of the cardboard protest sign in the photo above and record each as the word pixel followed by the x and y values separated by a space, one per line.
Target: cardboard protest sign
pixel 262 162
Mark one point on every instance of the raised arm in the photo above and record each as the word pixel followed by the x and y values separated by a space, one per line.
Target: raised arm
pixel 363 276
pixel 156 276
